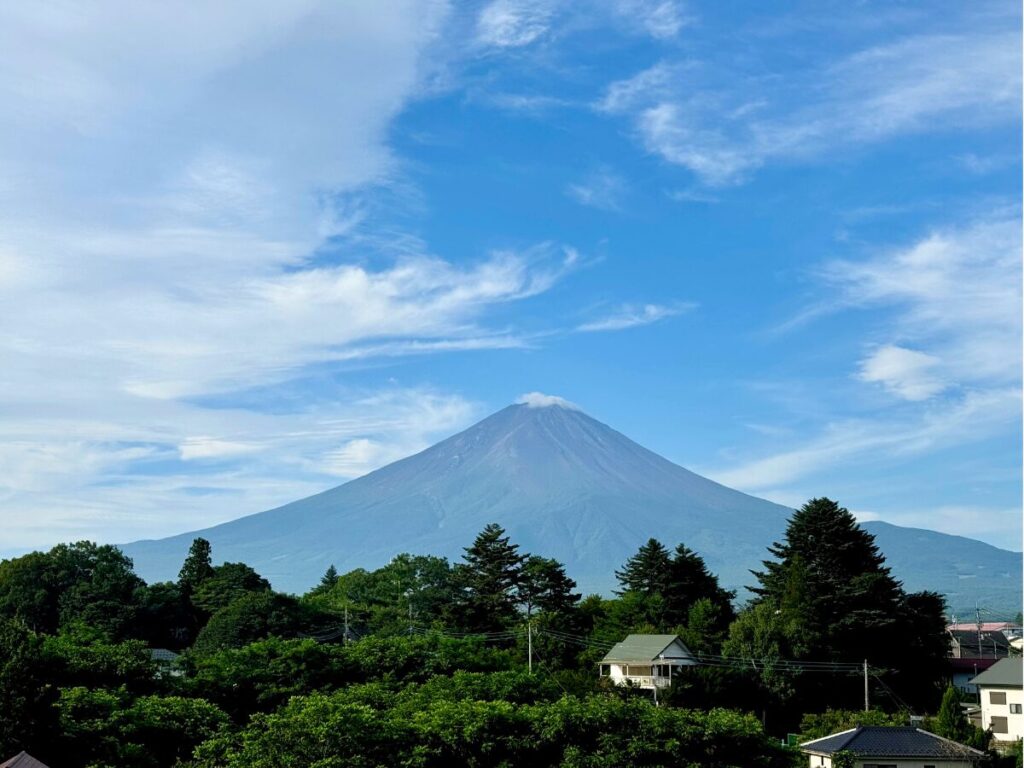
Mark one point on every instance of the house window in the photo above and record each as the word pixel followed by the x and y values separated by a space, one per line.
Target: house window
pixel 606 669
pixel 1015 709
pixel 997 698
pixel 998 725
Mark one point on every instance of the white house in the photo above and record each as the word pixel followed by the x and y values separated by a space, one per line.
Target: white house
pixel 1001 690
pixel 890 747
pixel 646 661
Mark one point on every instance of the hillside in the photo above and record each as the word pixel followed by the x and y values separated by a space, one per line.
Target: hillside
pixel 564 485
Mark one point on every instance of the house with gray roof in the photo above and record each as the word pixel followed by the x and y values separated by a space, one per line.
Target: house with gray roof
pixel 22 760
pixel 890 747
pixel 646 661
pixel 1001 691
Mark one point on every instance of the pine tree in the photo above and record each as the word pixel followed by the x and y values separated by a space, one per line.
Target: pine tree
pixel 545 586
pixel 488 579
pixel 197 567
pixel 689 581
pixel 646 572
pixel 329 579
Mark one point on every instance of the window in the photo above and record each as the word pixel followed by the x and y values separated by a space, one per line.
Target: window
pixel 606 669
pixel 1015 709
pixel 997 698
pixel 998 725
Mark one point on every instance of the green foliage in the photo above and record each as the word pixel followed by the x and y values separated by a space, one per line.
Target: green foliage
pixel 544 586
pixel 227 583
pixel 951 722
pixel 253 616
pixel 409 588
pixel 81 582
pixel 838 601
pixel 81 659
pixel 433 728
pixel 646 572
pixel 25 697
pixel 197 568
pixel 165 617
pixel 487 581
pixel 104 727
pixel 819 725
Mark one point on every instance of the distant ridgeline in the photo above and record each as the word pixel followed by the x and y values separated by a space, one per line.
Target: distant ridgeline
pixel 562 483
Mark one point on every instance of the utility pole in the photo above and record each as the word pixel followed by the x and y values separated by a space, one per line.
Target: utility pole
pixel 977 614
pixel 529 645
pixel 345 641
pixel 867 703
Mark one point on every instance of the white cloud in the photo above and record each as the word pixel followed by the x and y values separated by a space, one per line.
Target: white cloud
pixel 185 217
pixel 633 315
pixel 513 23
pixel 601 189
pixel 661 19
pixel 540 400
pixel 956 298
pixel 975 417
pixel 906 372
pixel 948 348
pixel 723 125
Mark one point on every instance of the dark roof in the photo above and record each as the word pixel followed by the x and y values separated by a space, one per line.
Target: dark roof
pixel 989 641
pixel 23 760
pixel 162 654
pixel 1006 673
pixel 646 648
pixel 886 741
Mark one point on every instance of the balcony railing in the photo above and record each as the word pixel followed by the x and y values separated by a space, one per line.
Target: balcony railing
pixel 648 681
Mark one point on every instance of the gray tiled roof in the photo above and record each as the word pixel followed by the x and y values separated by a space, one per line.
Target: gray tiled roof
pixel 1006 673
pixel 646 648
pixel 885 741
pixel 162 654
pixel 22 760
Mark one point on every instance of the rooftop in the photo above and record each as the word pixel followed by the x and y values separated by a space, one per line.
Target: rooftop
pixel 885 741
pixel 22 760
pixel 644 648
pixel 1004 673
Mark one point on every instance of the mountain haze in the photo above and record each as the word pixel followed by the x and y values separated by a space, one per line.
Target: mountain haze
pixel 563 484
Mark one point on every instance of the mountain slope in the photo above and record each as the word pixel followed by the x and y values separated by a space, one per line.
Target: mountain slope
pixel 562 484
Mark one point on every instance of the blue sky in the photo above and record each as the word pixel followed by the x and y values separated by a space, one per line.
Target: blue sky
pixel 252 251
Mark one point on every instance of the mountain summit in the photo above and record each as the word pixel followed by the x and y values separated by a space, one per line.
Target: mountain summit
pixel 562 484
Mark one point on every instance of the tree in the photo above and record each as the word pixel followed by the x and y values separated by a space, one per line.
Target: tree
pixel 488 579
pixel 26 719
pixel 253 616
pixel 544 586
pixel 197 568
pixel 225 584
pixel 329 579
pixel 646 572
pixel 830 584
pixel 689 581
pixel 951 722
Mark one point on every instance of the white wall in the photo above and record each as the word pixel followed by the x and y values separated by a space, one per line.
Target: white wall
pixel 1014 722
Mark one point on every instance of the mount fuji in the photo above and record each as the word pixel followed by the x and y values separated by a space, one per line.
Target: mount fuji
pixel 565 486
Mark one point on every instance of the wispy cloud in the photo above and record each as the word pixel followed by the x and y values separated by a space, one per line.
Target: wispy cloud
pixel 633 315
pixel 724 125
pixel 600 189
pixel 514 23
pixel 906 372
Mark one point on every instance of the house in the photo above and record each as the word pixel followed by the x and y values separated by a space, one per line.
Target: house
pixel 963 671
pixel 22 760
pixel 167 662
pixel 646 661
pixel 890 747
pixel 1001 690
pixel 972 644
